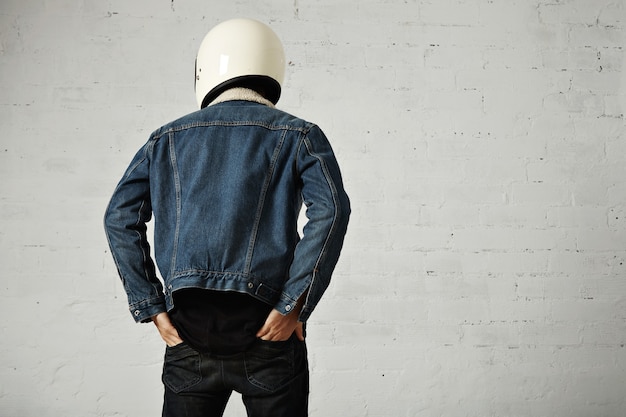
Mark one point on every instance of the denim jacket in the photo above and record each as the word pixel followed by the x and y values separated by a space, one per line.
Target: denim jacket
pixel 225 186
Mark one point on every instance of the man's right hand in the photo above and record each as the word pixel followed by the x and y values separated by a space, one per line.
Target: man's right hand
pixel 168 332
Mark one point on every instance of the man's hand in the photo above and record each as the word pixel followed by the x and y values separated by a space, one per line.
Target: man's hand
pixel 278 328
pixel 167 330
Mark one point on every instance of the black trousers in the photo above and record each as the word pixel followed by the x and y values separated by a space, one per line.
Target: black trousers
pixel 272 378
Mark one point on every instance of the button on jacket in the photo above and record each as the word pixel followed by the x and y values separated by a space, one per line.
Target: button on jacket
pixel 225 186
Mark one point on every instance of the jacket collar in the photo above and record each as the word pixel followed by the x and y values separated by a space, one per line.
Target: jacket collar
pixel 239 93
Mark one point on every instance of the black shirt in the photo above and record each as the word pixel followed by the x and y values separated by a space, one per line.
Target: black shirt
pixel 218 322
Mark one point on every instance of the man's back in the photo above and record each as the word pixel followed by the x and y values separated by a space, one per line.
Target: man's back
pixel 221 179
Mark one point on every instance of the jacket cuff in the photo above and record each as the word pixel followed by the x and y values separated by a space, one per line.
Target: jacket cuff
pixel 143 311
pixel 285 305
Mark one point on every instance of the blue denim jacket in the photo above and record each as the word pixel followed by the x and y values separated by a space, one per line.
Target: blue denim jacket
pixel 225 186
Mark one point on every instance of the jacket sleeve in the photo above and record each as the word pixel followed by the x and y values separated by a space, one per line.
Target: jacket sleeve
pixel 327 210
pixel 125 224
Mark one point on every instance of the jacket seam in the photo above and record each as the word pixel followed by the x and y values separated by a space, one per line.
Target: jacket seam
pixel 216 123
pixel 148 148
pixel 139 220
pixel 188 271
pixel 177 188
pixel 337 208
pixel 259 212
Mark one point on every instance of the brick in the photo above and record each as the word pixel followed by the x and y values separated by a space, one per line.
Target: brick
pixel 519 215
pixel 450 216
pixel 557 171
pixel 571 59
pixel 439 57
pixel 490 335
pixel 540 193
pixel 566 151
pixel 474 194
pixel 538 239
pixel 449 13
pixel 578 12
pixel 457 311
pixel 597 36
pixel 486 261
pixel 601 240
pixel 553 335
pixel 582 103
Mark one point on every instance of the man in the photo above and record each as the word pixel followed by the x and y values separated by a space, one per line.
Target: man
pixel 225 185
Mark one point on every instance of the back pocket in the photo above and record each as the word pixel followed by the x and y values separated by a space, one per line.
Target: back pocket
pixel 270 365
pixel 181 368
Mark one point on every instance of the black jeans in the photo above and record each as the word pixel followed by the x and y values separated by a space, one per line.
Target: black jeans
pixel 272 377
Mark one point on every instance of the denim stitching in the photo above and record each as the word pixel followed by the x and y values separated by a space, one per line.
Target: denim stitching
pixel 177 188
pixel 335 196
pixel 266 185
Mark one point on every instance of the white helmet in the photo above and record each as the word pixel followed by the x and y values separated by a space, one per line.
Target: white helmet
pixel 241 53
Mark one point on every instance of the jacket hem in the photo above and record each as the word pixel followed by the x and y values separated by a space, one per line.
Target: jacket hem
pixel 220 281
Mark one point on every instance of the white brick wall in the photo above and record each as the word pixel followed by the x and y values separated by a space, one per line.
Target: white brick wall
pixel 482 143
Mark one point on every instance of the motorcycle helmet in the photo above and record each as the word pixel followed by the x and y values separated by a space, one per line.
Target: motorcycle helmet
pixel 239 53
